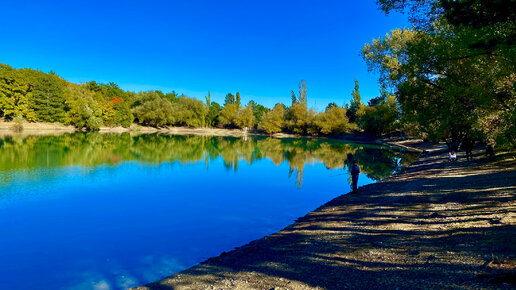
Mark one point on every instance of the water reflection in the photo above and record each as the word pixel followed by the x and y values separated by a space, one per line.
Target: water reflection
pixel 93 149
pixel 80 211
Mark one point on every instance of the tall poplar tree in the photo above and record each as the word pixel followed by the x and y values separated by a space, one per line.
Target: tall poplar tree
pixel 355 103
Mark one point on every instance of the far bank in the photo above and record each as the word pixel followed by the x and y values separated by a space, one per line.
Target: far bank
pixel 40 128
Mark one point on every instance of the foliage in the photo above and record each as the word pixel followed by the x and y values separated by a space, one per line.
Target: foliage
pixel 331 105
pixel 93 149
pixel 245 117
pixel 171 97
pixel 188 112
pixel 381 118
pixel 237 99
pixel 228 115
pixel 355 103
pixel 258 111
pixel 114 103
pixel 454 74
pixel 229 100
pixel 446 86
pixel 153 110
pixel 312 125
pixel 38 96
pixel 47 98
pixel 273 121
pixel 333 121
pixel 212 117
pixel 84 111
pixel 14 94
pixel 296 117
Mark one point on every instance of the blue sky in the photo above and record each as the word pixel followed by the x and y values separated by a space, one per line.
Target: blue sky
pixel 260 48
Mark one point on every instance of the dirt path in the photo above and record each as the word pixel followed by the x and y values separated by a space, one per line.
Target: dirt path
pixel 437 225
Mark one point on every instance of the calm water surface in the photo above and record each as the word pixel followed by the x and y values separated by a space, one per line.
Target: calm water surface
pixel 95 211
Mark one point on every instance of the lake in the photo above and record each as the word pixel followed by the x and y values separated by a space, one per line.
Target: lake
pixel 111 211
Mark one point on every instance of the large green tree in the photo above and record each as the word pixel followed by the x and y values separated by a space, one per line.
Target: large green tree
pixel 274 120
pixel 15 92
pixel 228 115
pixel 189 112
pixel 84 111
pixel 453 73
pixel 258 110
pixel 153 110
pixel 333 121
pixel 381 117
pixel 245 117
pixel 212 117
pixel 47 97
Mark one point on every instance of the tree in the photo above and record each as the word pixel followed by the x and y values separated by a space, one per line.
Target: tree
pixel 461 56
pixel 115 104
pixel 312 126
pixel 331 105
pixel 258 110
pixel 296 117
pixel 355 103
pixel 212 118
pixel 15 94
pixel 84 111
pixel 228 115
pixel 473 14
pixel 380 118
pixel 302 92
pixel 229 100
pixel 190 112
pixel 451 74
pixel 171 97
pixel 274 120
pixel 47 98
pixel 152 110
pixel 237 99
pixel 333 121
pixel 208 100
pixel 245 118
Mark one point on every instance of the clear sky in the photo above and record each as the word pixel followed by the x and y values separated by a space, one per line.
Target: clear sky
pixel 260 48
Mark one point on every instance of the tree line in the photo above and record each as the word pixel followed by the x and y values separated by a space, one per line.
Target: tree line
pixel 45 97
pixel 450 76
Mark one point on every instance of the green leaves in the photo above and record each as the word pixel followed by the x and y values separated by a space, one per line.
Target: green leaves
pixel 152 110
pixel 47 98
pixel 454 75
pixel 334 121
pixel 381 118
pixel 274 120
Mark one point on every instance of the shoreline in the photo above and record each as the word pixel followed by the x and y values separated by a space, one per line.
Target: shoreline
pixel 41 129
pixel 436 225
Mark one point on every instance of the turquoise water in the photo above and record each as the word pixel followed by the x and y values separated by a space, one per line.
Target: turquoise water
pixel 93 211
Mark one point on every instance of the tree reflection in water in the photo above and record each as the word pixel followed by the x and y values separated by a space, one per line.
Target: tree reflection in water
pixel 92 149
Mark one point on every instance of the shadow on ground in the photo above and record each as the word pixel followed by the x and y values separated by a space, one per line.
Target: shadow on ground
pixel 439 224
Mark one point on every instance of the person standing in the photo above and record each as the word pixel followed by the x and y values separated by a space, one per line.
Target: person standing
pixel 355 171
pixel 468 145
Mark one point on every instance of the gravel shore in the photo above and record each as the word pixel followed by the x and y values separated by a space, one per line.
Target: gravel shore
pixel 438 224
